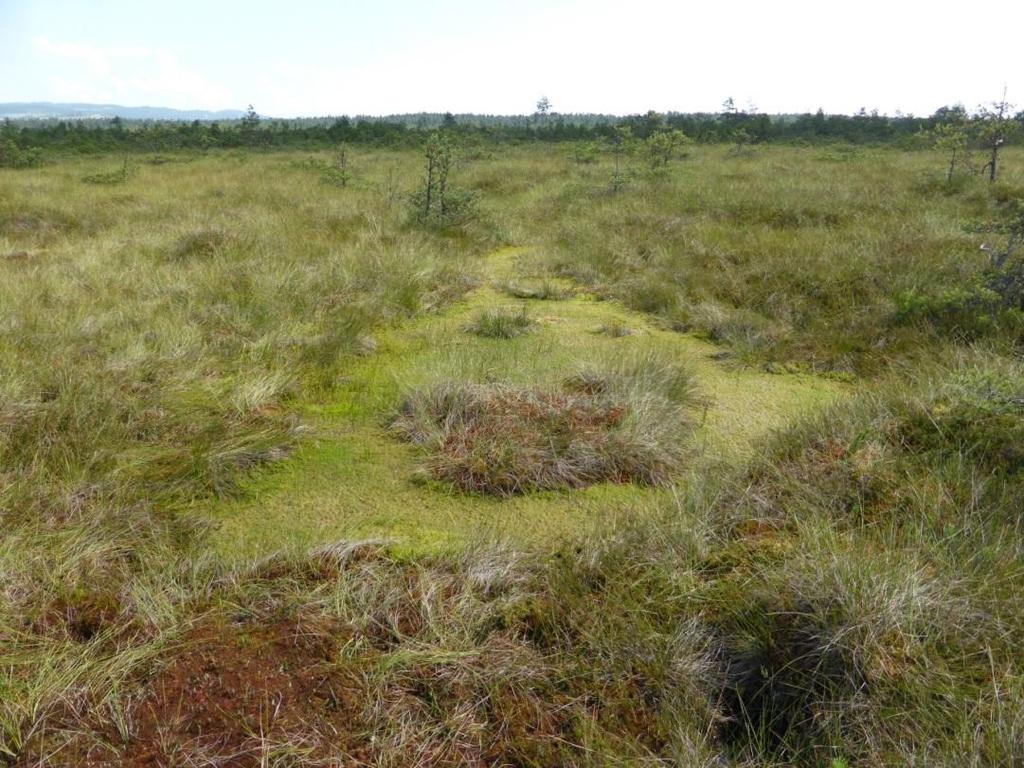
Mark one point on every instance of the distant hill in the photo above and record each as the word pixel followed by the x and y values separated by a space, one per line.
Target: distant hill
pixel 68 111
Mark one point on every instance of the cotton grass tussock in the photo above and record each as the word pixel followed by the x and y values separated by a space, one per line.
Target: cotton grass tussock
pixel 541 291
pixel 629 423
pixel 498 323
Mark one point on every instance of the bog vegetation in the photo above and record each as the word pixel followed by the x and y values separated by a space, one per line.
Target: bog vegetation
pixel 624 424
pixel 189 332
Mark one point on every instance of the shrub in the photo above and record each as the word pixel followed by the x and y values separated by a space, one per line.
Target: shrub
pixel 339 174
pixel 119 176
pixel 13 156
pixel 460 208
pixel 961 313
pixel 1008 284
pixel 438 201
pixel 659 148
pixel 586 152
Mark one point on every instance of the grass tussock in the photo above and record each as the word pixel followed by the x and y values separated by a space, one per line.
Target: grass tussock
pixel 615 329
pixel 544 290
pixel 201 244
pixel 625 424
pixel 500 323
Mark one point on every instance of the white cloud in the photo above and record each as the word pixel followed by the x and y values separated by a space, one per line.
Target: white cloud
pixel 129 75
pixel 178 84
pixel 98 60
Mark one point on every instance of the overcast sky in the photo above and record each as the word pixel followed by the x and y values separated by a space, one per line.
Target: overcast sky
pixel 317 57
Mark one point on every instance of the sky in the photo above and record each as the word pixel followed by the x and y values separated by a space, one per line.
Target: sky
pixel 328 57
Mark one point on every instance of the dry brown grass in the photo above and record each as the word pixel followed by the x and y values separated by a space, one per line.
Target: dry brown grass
pixel 624 425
